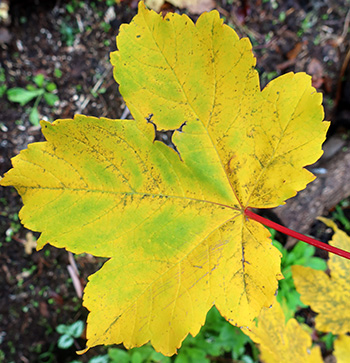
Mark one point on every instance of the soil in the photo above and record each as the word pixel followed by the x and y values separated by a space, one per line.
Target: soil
pixel 69 42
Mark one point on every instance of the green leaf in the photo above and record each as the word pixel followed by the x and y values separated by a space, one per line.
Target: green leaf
pixel 70 8
pixel 286 273
pixel 302 249
pixel 76 329
pixel 57 73
pixel 3 89
pixel 50 98
pixel 31 87
pixel 51 87
pixel 65 341
pixel 290 258
pixel 278 245
pixel 34 116
pixel 39 80
pixel 99 359
pixel 23 96
pixel 192 355
pixel 316 263
pixel 62 329
pixel 118 355
pixel 159 358
pixel 136 357
pixel 233 339
pixel 328 339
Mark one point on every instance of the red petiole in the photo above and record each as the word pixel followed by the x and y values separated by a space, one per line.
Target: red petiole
pixel 297 235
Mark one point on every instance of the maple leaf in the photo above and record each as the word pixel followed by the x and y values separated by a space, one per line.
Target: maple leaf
pixel 164 195
pixel 278 339
pixel 328 295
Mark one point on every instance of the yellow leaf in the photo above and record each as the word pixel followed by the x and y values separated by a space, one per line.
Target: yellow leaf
pixel 282 342
pixel 172 218
pixel 342 349
pixel 329 296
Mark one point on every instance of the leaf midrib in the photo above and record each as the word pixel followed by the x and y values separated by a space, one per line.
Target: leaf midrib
pixel 128 193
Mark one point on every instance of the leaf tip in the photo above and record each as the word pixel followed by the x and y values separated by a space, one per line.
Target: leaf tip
pixel 44 124
pixel 82 351
pixel 141 5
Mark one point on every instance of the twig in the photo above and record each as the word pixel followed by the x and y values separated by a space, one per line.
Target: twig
pixel 80 23
pixel 346 26
pixel 72 263
pixel 126 113
pixel 74 274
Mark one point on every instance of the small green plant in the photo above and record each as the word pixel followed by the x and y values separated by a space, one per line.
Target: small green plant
pixel 302 254
pixel 308 22
pixel 68 33
pixel 328 339
pixel 282 16
pixel 145 354
pixel 73 6
pixel 105 26
pixel 57 73
pixel 42 89
pixel 69 333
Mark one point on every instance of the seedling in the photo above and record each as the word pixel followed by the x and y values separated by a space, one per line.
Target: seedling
pixel 105 26
pixel 68 33
pixel 57 73
pixel 41 89
pixel 69 333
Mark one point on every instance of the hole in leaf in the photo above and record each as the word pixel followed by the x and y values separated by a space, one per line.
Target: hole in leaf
pixel 165 136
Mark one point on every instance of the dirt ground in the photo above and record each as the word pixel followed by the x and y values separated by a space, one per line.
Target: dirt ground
pixel 69 43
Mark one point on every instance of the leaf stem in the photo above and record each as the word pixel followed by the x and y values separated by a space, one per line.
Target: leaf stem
pixel 297 235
